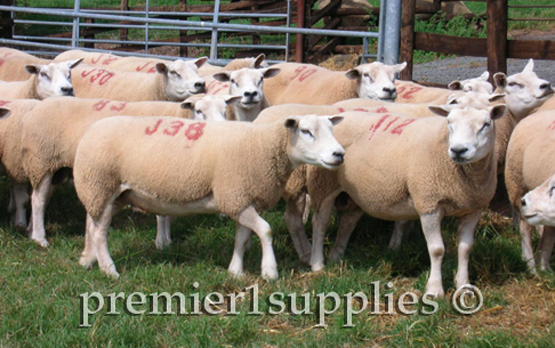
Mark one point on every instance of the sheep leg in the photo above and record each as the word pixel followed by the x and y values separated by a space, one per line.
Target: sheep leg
pixel 467 225
pixel 39 200
pixel 526 243
pixel 250 219
pixel 11 205
pixel 546 247
pixel 99 239
pixel 294 221
pixel 88 256
pixel 163 235
pixel 431 225
pixel 21 198
pixel 320 222
pixel 242 237
pixel 397 236
pixel 307 206
pixel 347 224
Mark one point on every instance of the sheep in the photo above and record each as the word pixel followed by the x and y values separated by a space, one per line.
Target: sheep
pixel 174 81
pixel 310 84
pixel 199 171
pixel 248 83
pixel 236 64
pixel 10 155
pixel 49 80
pixel 451 172
pixel 530 166
pixel 51 133
pixel 12 64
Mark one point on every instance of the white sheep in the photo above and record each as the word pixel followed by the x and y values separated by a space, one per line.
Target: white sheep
pixel 12 64
pixel 450 171
pixel 196 171
pixel 310 84
pixel 174 81
pixel 51 133
pixel 530 167
pixel 49 80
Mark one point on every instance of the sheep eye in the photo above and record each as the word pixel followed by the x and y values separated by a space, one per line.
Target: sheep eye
pixel 551 191
pixel 199 112
pixel 174 73
pixel 487 124
pixel 43 74
pixel 512 84
pixel 260 82
pixel 307 132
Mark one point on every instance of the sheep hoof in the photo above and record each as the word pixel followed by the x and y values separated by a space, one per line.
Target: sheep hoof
pixel 235 273
pixel 161 245
pixel 42 242
pixel 306 258
pixel 270 275
pixel 335 255
pixel 434 294
pixel 87 261
pixel 317 267
pixel 111 272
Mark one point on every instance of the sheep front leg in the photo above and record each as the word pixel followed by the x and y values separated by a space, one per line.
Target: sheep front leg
pixel 347 224
pixel 431 225
pixel 320 222
pixel 467 225
pixel 397 236
pixel 294 221
pixel 99 238
pixel 243 236
pixel 21 198
pixel 526 242
pixel 88 256
pixel 39 199
pixel 546 247
pixel 251 220
pixel 163 234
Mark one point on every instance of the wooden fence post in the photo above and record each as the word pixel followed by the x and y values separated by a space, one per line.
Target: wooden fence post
pixel 183 33
pixel 497 13
pixel 124 6
pixel 407 37
pixel 299 50
pixel 7 22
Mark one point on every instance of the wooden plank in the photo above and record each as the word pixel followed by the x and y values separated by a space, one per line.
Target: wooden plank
pixel 497 36
pixel 325 49
pixel 183 51
pixel 123 33
pixel 326 11
pixel 407 37
pixel 536 49
pixel 462 46
pixel 299 50
pixel 317 38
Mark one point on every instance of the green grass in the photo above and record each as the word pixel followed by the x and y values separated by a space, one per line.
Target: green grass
pixel 40 289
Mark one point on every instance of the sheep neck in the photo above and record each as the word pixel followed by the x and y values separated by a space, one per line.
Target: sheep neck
pixel 31 88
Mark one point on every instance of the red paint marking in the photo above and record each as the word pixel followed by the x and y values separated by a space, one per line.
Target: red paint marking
pixel 150 131
pixel 376 126
pixel 297 72
pixel 141 67
pixel 4 102
pixel 301 74
pixel 360 109
pixel 307 74
pixel 100 105
pixel 399 129
pixel 5 55
pixel 551 126
pixel 97 59
pixel 341 110
pixel 408 94
pixel 215 87
pixel 86 73
pixel 175 126
pixel 381 110
pixel 390 123
pixel 2 62
pixel 118 107
pixel 109 60
pixel 197 128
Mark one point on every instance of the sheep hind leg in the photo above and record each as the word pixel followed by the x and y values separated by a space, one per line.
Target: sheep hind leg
pixel 467 225
pixel 163 235
pixel 397 236
pixel 320 222
pixel 39 200
pixel 21 199
pixel 88 256
pixel 250 219
pixel 526 242
pixel 243 236
pixel 431 226
pixel 294 221
pixel 546 247
pixel 347 224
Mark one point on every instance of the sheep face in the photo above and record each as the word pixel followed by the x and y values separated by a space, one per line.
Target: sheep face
pixel 376 80
pixel 247 83
pixel 525 90
pixel 538 205
pixel 209 107
pixel 181 79
pixel 476 100
pixel 478 85
pixel 312 141
pixel 471 131
pixel 54 79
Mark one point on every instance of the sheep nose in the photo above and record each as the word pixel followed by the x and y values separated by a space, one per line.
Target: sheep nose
pixel 251 94
pixel 389 90
pixel 200 86
pixel 545 86
pixel 523 202
pixel 67 90
pixel 339 156
pixel 459 151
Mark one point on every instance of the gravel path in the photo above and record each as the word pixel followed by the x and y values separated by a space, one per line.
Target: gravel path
pixel 447 70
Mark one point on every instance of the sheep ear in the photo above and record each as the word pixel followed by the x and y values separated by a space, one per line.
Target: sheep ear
pixel 271 72
pixel 455 86
pixel 500 80
pixel 496 97
pixel 222 77
pixel 399 67
pixel 335 120
pixel 440 110
pixel 529 67
pixel 161 68
pixel 498 111
pixel 452 99
pixel 484 76
pixel 187 105
pixel 353 74
pixel 232 99
pixel 32 68
pixel 259 61
pixel 291 123
pixel 4 113
pixel 200 62
pixel 73 63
